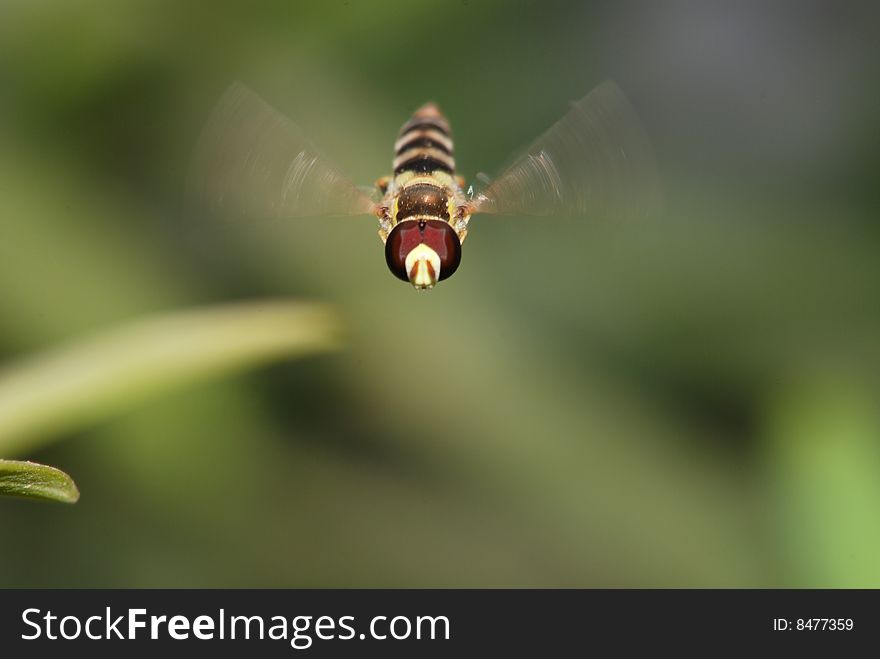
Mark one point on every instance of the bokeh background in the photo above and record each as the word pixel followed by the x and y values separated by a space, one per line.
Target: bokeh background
pixel 691 401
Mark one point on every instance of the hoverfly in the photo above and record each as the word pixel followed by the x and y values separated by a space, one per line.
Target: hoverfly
pixel 252 160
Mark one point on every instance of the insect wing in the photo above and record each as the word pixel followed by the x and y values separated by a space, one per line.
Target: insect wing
pixel 596 160
pixel 252 161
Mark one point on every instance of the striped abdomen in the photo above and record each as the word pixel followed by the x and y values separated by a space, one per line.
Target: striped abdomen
pixel 424 145
pixel 423 167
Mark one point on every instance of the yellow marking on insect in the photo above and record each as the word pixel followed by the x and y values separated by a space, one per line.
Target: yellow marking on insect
pixel 430 133
pixel 419 151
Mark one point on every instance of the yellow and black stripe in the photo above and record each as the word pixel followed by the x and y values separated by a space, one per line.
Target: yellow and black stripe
pixel 424 145
pixel 424 167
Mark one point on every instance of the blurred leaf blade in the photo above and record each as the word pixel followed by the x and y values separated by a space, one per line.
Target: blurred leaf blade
pixel 65 388
pixel 31 480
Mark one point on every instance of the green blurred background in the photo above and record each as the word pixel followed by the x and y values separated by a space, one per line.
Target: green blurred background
pixel 687 402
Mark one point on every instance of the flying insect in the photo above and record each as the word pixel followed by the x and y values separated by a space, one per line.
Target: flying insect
pixel 251 160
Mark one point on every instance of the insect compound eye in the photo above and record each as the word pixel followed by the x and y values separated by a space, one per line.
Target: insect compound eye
pixel 441 237
pixel 409 234
pixel 402 239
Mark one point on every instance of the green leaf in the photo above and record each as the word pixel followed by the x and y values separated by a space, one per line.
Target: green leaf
pixel 35 481
pixel 63 389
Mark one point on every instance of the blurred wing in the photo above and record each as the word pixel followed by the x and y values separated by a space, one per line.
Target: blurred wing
pixel 252 161
pixel 596 160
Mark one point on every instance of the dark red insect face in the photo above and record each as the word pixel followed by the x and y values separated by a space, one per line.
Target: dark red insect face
pixel 409 234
